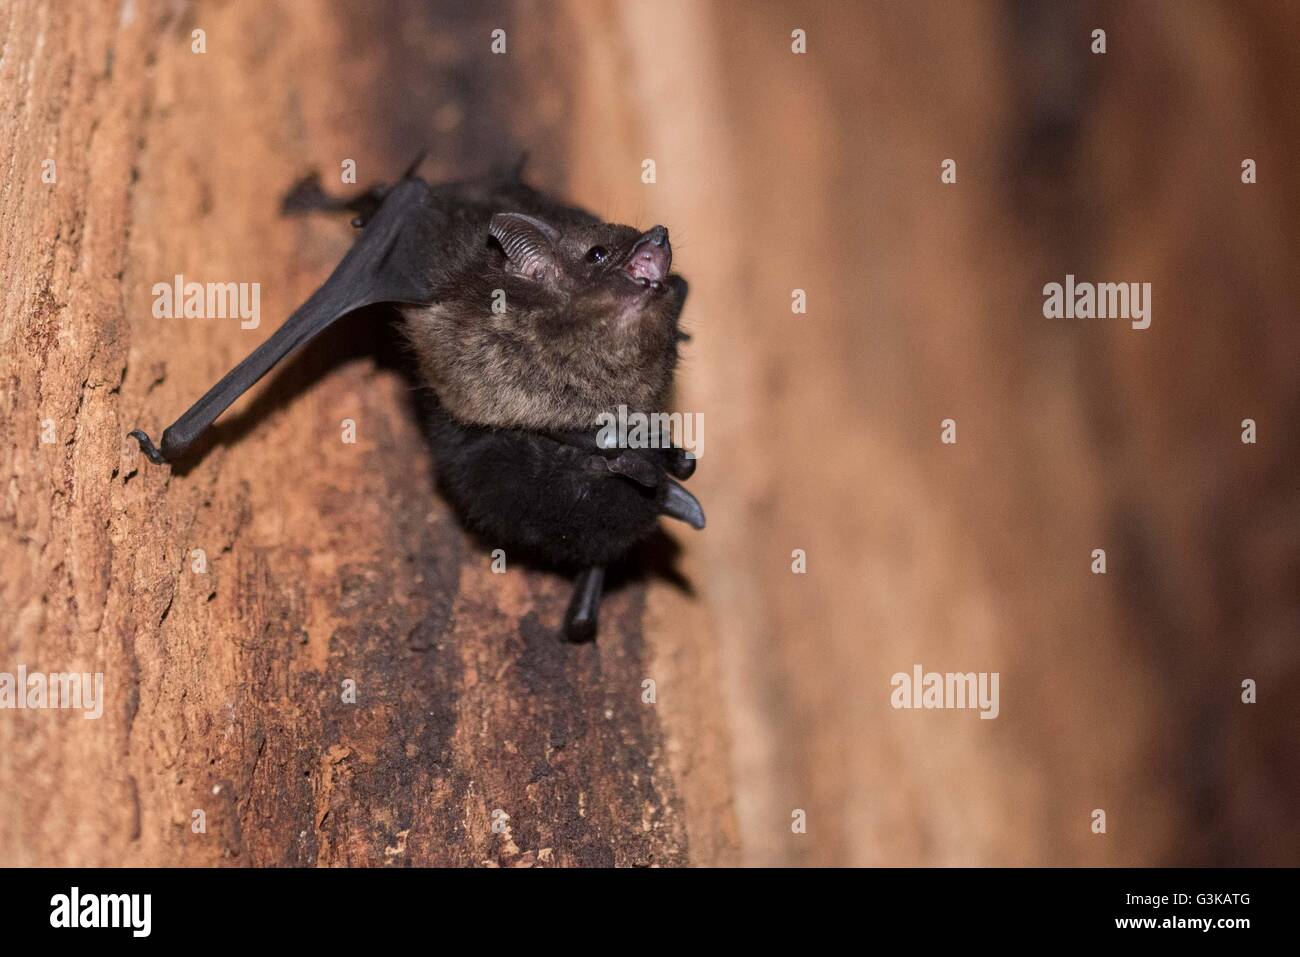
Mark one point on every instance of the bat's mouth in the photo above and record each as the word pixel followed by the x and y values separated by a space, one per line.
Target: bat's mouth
pixel 650 260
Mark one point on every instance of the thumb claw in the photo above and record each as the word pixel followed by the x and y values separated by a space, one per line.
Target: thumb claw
pixel 147 446
pixel 682 505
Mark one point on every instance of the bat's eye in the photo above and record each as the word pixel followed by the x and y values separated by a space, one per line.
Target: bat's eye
pixel 597 254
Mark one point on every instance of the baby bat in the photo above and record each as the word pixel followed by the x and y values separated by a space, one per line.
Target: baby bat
pixel 528 318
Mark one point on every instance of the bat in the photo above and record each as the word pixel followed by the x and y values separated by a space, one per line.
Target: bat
pixel 528 319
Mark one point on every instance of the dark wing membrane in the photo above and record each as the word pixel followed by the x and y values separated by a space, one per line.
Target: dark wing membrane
pixel 388 263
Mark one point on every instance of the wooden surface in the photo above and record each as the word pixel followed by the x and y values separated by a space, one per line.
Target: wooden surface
pixel 329 561
pixel 326 561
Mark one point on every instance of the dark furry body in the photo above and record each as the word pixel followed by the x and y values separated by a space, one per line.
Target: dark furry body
pixel 500 462
pixel 544 497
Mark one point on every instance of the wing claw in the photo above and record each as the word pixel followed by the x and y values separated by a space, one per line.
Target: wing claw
pixel 682 505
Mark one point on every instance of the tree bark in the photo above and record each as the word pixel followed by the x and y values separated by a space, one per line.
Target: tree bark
pixel 228 603
pixel 777 171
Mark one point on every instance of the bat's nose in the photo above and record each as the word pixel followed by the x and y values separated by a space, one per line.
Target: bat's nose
pixel 652 256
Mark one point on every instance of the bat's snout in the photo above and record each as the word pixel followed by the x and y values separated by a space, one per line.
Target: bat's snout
pixel 652 257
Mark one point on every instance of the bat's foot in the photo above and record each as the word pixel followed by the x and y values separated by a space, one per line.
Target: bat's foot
pixel 584 609
pixel 307 195
pixel 147 447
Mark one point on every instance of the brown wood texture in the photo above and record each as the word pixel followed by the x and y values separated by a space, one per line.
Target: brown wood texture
pixel 326 561
pixel 330 561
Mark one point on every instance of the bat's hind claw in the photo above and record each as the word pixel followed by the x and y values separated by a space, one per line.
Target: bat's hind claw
pixel 307 195
pixel 147 447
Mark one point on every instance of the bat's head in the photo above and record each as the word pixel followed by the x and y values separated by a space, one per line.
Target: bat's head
pixel 608 277
pixel 589 319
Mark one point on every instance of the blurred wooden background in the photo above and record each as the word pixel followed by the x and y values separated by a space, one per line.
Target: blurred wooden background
pixel 775 171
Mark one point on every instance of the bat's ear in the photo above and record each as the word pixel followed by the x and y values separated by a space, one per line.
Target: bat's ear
pixel 529 244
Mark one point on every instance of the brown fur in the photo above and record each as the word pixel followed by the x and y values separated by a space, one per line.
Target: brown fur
pixel 567 347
